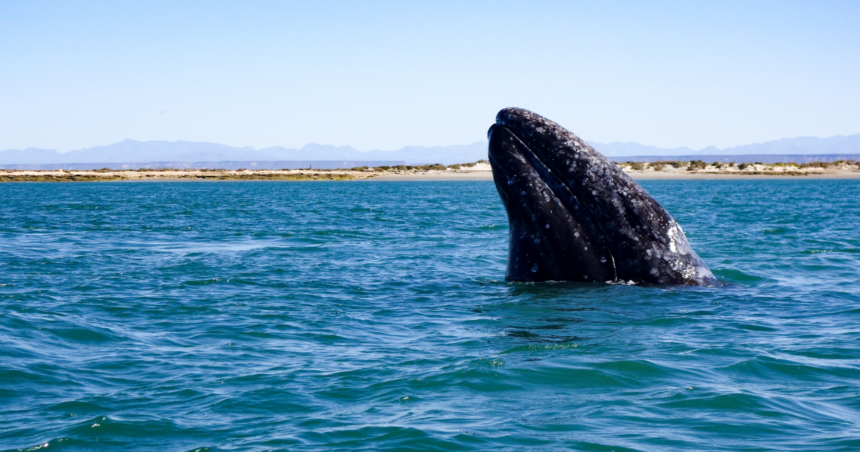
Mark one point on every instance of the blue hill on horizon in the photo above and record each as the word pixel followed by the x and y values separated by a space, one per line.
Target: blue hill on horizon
pixel 132 151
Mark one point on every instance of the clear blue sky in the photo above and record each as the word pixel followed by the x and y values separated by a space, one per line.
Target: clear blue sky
pixel 382 75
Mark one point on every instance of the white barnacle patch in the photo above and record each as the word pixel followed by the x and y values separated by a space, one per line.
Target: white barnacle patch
pixel 576 234
pixel 654 271
pixel 674 234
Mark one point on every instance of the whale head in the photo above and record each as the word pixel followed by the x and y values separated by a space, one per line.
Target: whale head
pixel 576 216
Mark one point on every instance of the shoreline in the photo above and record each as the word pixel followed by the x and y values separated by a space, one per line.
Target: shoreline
pixel 479 171
pixel 180 175
pixel 741 176
pixel 479 176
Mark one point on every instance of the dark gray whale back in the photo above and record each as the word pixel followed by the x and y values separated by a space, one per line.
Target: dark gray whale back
pixel 576 216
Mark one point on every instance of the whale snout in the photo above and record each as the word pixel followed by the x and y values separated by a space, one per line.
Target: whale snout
pixel 551 235
pixel 575 216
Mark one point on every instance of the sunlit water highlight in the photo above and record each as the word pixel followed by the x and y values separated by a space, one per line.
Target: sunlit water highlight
pixel 374 316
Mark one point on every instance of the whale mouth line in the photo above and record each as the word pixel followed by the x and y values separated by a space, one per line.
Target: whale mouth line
pixel 556 185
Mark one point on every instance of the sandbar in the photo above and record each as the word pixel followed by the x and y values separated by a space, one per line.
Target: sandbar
pixel 479 171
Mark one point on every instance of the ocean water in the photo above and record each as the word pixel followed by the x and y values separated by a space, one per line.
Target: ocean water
pixel 374 316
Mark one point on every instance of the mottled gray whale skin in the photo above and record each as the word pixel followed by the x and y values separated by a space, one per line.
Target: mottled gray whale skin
pixel 576 216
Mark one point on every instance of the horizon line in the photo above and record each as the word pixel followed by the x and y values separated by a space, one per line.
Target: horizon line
pixel 423 146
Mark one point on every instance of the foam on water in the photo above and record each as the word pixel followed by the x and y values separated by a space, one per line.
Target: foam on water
pixel 374 315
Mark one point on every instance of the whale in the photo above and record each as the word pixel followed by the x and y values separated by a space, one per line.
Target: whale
pixel 573 215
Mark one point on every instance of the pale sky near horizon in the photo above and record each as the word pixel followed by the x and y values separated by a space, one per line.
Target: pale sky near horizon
pixel 383 75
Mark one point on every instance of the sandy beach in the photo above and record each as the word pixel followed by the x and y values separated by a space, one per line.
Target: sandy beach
pixel 638 175
pixel 463 172
pixel 180 175
pixel 481 171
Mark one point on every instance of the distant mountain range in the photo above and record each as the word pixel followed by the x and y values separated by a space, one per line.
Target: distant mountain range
pixel 787 146
pixel 131 151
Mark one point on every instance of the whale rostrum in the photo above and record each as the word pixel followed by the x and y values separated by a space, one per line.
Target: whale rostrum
pixel 576 216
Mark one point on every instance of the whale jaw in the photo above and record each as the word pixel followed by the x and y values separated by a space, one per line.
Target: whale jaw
pixel 551 236
pixel 575 216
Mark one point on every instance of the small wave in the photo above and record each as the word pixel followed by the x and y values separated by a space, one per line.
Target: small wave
pixel 540 348
pixel 738 276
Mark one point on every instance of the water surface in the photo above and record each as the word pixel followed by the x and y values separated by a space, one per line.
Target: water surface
pixel 374 316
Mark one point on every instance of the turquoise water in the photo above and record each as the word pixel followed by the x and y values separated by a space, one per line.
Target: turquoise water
pixel 374 316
